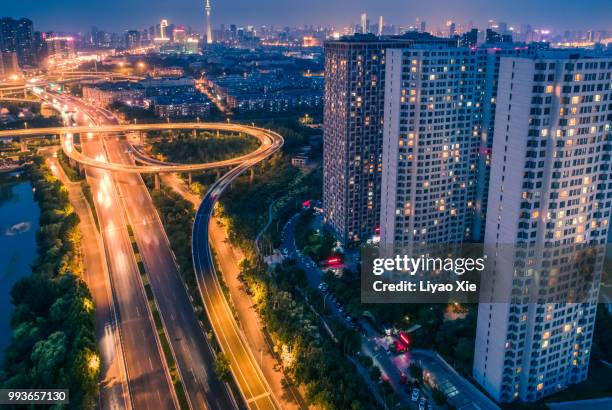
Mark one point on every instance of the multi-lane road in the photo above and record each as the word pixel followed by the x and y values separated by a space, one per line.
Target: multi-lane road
pixel 253 385
pixel 121 199
pixel 149 384
pixel 194 356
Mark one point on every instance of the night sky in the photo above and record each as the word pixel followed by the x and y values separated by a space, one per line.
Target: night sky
pixel 118 15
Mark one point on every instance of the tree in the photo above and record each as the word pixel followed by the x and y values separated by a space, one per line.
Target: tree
pixel 375 373
pixel 48 357
pixel 464 353
pixel 416 372
pixel 222 368
pixel 438 396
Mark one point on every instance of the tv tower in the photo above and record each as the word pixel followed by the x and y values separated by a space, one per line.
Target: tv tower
pixel 207 7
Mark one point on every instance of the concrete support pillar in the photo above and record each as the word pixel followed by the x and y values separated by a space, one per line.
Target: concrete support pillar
pixel 194 133
pixel 24 145
pixel 189 177
pixel 218 173
pixel 157 182
pixel 252 175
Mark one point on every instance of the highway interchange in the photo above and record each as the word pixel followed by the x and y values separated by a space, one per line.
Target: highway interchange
pixel 122 199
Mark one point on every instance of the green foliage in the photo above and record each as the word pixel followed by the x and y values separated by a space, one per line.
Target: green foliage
pixel 134 113
pixel 208 148
pixel 438 396
pixel 375 373
pixel 416 372
pixel 455 341
pixel 222 368
pixel 73 174
pixel 318 244
pixel 330 380
pixel 53 343
pixel 177 216
pixel 271 182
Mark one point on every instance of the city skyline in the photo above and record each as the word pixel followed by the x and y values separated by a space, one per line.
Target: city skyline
pixel 70 15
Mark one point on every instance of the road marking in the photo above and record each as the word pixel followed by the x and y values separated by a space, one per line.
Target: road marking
pixel 261 396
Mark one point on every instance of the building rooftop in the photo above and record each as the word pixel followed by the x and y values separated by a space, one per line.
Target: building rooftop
pixel 412 36
pixel 181 99
pixel 116 86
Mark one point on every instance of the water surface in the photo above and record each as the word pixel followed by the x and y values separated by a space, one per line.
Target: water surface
pixel 18 224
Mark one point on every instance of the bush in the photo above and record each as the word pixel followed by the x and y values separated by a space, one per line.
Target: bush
pixel 438 396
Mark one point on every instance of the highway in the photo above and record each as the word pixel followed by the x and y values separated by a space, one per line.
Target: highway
pixel 148 379
pixel 253 385
pixel 113 377
pixel 114 194
pixel 194 356
pixel 266 138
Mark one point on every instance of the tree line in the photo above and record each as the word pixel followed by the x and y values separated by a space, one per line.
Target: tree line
pixel 53 344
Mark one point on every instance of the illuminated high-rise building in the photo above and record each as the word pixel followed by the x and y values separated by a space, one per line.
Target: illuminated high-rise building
pixel 364 23
pixel 489 57
pixel 179 35
pixel 546 225
pixel 208 9
pixel 60 48
pixel 132 39
pixel 353 129
pixel 8 64
pixel 17 36
pixel 430 144
pixel 163 25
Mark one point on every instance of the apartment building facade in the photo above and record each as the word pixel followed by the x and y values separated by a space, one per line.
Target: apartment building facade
pixel 353 128
pixel 548 213
pixel 432 119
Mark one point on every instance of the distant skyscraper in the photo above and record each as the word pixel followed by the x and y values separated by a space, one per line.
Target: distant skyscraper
pixel 60 48
pixel 364 23
pixel 8 64
pixel 380 25
pixel 208 9
pixel 470 38
pixel 17 36
pixel 179 35
pixel 549 207
pixel 423 26
pixel 503 27
pixel 162 29
pixel 132 39
pixel 452 28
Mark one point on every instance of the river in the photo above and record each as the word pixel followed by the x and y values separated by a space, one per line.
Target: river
pixel 19 215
